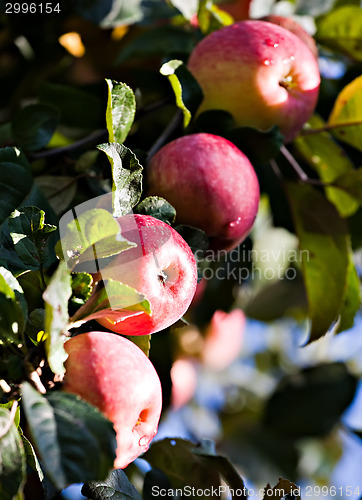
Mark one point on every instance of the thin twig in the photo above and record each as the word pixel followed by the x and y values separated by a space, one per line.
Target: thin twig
pixel 299 171
pixel 94 137
pixel 162 139
pixel 327 127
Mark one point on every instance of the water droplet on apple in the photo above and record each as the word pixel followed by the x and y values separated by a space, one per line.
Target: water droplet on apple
pixel 268 62
pixel 236 222
pixel 292 58
pixel 144 441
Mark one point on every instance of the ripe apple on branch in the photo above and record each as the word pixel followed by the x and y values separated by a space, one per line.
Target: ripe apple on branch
pixel 261 73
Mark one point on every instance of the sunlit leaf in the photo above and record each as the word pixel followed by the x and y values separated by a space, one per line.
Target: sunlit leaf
pixel 88 237
pixel 56 298
pixel 127 177
pixel 121 109
pixel 329 160
pixel 187 91
pixel 346 115
pixel 341 29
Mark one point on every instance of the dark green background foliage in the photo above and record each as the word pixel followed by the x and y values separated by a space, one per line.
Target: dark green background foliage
pixel 79 122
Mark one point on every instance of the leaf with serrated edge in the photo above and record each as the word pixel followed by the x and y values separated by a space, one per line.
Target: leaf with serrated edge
pixel 121 109
pixel 29 234
pixel 157 207
pixel 56 298
pixel 127 177
pixel 91 236
pixel 324 246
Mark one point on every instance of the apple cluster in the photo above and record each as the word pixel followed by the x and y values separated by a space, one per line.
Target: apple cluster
pixel 263 75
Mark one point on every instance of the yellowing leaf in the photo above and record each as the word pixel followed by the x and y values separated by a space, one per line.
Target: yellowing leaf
pixel 347 114
pixel 341 29
pixel 330 161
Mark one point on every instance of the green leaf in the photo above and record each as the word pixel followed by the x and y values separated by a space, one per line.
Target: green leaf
pixel 351 299
pixel 158 41
pixel 30 235
pixel 121 109
pixel 346 115
pixel 127 177
pixel 177 460
pixel 157 207
pixel 115 300
pixel 310 402
pixel 15 180
pixel 88 237
pixel 35 325
pixel 187 91
pixel 13 308
pixel 34 125
pixel 59 190
pixel 141 341
pixel 82 286
pixel 351 183
pixel 211 18
pixel 75 441
pixel 78 108
pixel 12 457
pixel 31 458
pixel 324 246
pixel 330 161
pixel 284 489
pixel 341 29
pixel 224 467
pixel 56 298
pixel 116 487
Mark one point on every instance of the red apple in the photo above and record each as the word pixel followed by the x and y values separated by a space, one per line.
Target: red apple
pixel 161 266
pixel 115 376
pixel 293 26
pixel 223 339
pixel 261 73
pixel 211 184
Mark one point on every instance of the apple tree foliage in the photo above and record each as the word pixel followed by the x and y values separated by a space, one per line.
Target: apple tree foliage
pixel 88 94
